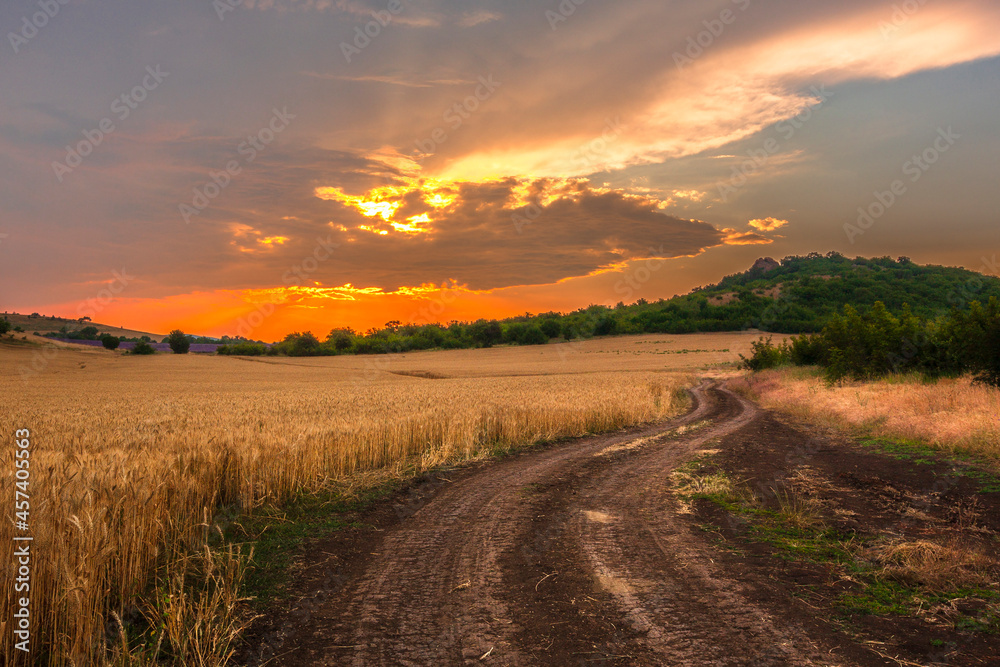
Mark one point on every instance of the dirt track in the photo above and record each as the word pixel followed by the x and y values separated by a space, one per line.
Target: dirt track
pixel 568 556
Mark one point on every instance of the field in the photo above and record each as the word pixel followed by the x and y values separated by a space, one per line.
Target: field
pixel 951 414
pixel 46 324
pixel 134 460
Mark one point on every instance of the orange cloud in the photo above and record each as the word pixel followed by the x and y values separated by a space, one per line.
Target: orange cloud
pixel 733 237
pixel 767 224
pixel 731 92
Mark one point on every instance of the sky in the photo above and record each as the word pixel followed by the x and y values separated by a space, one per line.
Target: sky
pixel 267 166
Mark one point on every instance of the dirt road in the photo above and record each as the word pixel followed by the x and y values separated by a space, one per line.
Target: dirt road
pixel 573 555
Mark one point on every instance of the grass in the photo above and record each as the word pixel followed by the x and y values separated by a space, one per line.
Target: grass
pixel 951 415
pixel 962 464
pixel 138 464
pixel 890 576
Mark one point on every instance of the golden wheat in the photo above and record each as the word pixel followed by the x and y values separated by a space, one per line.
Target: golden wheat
pixel 132 456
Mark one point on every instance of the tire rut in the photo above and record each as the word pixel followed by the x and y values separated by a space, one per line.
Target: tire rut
pixel 452 584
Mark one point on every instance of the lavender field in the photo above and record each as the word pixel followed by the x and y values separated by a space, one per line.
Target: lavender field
pixel 202 348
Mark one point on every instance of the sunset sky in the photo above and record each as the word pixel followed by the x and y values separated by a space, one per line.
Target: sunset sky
pixel 267 166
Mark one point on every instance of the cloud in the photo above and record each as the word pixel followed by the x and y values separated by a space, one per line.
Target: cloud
pixel 504 232
pixel 767 224
pixel 397 80
pixel 733 237
pixel 769 66
pixel 477 17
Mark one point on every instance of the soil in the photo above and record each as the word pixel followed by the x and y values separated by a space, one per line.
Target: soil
pixel 580 554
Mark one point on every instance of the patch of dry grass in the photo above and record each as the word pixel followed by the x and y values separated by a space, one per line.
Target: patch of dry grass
pixel 131 457
pixel 934 566
pixel 952 414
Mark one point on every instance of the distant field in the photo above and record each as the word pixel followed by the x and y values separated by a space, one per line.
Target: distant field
pixel 46 324
pixel 131 454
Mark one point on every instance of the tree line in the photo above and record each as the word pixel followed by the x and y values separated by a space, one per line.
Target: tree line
pixel 875 343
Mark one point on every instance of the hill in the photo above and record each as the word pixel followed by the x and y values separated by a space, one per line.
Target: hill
pixel 44 324
pixel 796 295
pixel 800 294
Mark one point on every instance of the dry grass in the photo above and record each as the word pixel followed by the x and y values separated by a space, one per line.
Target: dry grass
pixel 132 456
pixel 933 566
pixel 951 414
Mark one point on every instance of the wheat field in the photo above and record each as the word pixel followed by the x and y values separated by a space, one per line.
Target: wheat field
pixel 131 457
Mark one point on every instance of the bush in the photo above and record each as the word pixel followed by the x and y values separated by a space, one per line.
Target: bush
pixel 341 339
pixel 4 326
pixel 110 342
pixel 807 350
pixel 551 328
pixel 976 333
pixel 178 342
pixel 533 335
pixel 486 333
pixel 243 349
pixel 142 347
pixel 764 354
pixel 606 326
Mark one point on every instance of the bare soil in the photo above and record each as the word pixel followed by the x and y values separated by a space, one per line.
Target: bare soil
pixel 579 554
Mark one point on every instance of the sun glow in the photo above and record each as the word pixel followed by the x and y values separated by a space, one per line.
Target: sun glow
pixel 397 204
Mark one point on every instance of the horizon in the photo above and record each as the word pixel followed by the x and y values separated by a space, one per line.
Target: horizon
pixel 315 164
pixel 989 267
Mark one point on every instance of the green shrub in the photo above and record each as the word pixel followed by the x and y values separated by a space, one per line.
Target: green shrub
pixel 765 354
pixel 242 349
pixel 110 342
pixel 142 347
pixel 179 342
pixel 806 350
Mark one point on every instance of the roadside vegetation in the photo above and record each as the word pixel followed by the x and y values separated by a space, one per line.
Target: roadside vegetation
pixel 846 560
pixel 875 344
pixel 953 414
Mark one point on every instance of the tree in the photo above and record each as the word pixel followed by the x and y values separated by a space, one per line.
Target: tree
pixel 300 345
pixel 551 328
pixel 142 347
pixel 110 342
pixel 4 326
pixel 341 339
pixel 178 342
pixel 486 333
